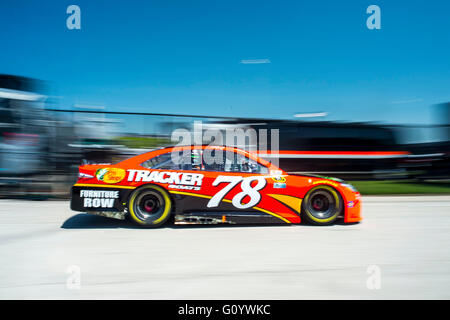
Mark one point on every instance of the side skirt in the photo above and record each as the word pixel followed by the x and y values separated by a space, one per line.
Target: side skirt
pixel 226 218
pixel 109 214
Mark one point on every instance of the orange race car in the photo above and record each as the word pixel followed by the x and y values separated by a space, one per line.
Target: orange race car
pixel 210 185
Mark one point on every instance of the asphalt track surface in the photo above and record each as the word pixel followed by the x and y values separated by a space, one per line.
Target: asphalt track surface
pixel 406 238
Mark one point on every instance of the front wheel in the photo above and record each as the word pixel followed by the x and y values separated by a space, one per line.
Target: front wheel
pixel 150 206
pixel 322 205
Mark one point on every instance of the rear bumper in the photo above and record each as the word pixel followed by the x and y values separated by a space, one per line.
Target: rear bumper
pixel 90 199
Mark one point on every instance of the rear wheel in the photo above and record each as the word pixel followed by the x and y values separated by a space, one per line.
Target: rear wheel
pixel 322 205
pixel 150 206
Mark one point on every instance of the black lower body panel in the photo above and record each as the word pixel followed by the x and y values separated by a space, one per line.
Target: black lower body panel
pixel 228 217
pixel 87 199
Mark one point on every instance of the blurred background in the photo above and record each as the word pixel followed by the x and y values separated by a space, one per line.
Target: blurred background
pixel 42 146
pixel 368 106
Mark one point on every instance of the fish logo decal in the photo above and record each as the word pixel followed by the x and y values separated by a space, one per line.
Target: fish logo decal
pixel 110 175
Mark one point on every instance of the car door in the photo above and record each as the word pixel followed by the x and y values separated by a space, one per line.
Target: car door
pixel 233 181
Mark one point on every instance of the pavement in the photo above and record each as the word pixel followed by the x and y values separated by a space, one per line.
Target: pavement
pixel 399 251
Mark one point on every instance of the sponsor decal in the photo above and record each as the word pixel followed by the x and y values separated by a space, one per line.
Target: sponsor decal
pixel 82 175
pixel 279 185
pixel 98 198
pixel 174 178
pixel 110 175
pixel 276 172
pixel 279 179
pixel 182 187
pixel 351 204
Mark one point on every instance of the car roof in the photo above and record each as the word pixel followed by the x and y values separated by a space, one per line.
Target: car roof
pixel 156 152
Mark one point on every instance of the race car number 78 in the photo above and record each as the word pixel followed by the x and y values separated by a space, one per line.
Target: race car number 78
pixel 246 187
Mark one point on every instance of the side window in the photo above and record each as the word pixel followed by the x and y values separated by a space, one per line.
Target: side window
pixel 170 161
pixel 234 162
pixel 161 160
pixel 224 161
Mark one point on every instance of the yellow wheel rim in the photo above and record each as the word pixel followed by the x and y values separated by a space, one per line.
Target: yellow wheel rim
pixel 166 212
pixel 337 204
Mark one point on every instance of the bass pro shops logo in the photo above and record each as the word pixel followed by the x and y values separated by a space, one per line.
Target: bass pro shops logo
pixel 110 175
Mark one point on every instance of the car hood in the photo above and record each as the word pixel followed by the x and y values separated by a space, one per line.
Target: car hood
pixel 315 176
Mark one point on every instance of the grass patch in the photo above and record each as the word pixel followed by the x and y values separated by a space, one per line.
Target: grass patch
pixel 401 187
pixel 142 142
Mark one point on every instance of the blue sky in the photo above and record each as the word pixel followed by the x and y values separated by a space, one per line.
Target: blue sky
pixel 184 56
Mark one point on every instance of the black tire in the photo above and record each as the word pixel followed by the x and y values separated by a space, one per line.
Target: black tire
pixel 150 206
pixel 322 205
